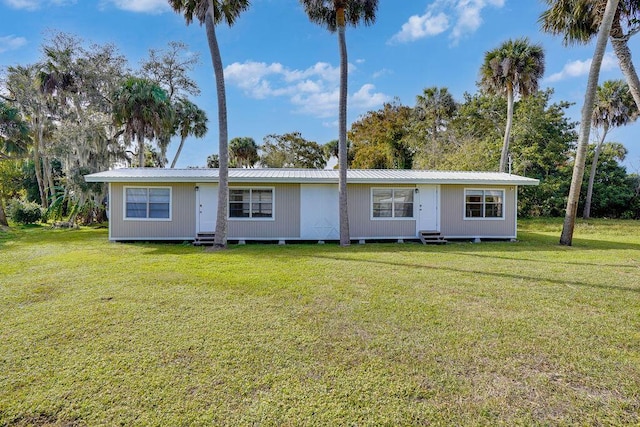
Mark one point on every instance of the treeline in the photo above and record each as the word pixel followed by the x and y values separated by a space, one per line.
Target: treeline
pixel 442 134
pixel 82 109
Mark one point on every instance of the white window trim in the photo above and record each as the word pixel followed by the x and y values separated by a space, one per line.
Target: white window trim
pixel 124 203
pixel 493 218
pixel 273 204
pixel 391 218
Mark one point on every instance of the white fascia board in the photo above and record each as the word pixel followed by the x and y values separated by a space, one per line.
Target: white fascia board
pixel 288 180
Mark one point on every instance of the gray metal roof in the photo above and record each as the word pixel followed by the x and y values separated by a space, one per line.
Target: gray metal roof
pixel 354 176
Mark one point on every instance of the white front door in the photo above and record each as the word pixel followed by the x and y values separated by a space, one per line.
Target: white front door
pixel 428 202
pixel 319 219
pixel 206 208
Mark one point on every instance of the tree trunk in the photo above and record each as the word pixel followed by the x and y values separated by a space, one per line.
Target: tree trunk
pixel 504 156
pixel 220 240
pixel 175 158
pixel 619 42
pixel 3 216
pixel 566 237
pixel 345 239
pixel 586 214
pixel 141 162
pixel 37 162
pixel 48 173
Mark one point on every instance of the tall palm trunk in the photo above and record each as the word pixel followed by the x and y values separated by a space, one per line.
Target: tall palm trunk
pixel 586 213
pixel 223 150
pixel 175 158
pixel 619 42
pixel 141 162
pixel 507 131
pixel 568 226
pixel 345 239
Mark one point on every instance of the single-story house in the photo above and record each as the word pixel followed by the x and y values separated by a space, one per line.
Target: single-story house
pixel 302 204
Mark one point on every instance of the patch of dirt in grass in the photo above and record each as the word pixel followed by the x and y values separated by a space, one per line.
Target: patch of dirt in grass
pixel 43 420
pixel 38 293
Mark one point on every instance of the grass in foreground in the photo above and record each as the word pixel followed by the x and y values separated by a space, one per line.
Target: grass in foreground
pixel 96 333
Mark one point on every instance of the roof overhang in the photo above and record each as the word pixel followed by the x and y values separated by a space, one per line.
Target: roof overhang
pixel 310 176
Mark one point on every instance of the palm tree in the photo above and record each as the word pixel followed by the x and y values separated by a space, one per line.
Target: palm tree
pixel 614 107
pixel 566 236
pixel 243 152
pixel 142 108
pixel 189 121
pixel 335 15
pixel 211 13
pixel 435 107
pixel 513 68
pixel 578 21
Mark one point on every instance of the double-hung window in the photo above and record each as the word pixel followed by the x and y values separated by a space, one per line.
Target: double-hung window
pixel 251 203
pixel 392 203
pixel 484 204
pixel 151 203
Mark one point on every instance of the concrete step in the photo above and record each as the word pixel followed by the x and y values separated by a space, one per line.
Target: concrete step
pixel 431 237
pixel 204 239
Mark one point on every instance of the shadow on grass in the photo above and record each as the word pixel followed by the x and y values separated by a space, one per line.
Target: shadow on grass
pixel 548 261
pixel 5 235
pixel 529 242
pixel 492 274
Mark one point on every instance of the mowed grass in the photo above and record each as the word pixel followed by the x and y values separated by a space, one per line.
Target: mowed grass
pixel 526 333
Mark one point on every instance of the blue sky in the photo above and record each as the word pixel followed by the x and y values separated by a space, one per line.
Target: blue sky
pixel 282 71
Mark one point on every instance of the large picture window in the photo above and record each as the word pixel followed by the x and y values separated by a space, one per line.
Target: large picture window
pixel 392 203
pixel 152 203
pixel 484 204
pixel 256 203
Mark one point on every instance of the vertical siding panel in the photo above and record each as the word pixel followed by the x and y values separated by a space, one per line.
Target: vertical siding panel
pixel 287 215
pixel 452 217
pixel 361 226
pixel 182 224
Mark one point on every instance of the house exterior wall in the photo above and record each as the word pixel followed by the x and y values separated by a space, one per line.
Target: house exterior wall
pixel 287 215
pixel 286 222
pixel 362 226
pixel 182 225
pixel 454 225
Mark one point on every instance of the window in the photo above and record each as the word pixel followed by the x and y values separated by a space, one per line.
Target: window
pixel 392 203
pixel 251 203
pixel 147 203
pixel 484 203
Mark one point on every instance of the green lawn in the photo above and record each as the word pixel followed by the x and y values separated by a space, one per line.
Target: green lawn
pixel 97 333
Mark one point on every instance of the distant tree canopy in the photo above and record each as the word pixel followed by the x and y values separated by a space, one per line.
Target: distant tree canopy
pixel 243 152
pixel 379 139
pixel 291 150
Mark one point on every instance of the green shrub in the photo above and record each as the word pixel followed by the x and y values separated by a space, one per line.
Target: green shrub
pixel 24 212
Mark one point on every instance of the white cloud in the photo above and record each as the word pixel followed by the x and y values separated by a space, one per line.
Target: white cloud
pixel 381 73
pixel 466 16
pixel 580 68
pixel 366 97
pixel 11 43
pixel 319 104
pixel 146 6
pixel 418 27
pixel 35 4
pixel 314 91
